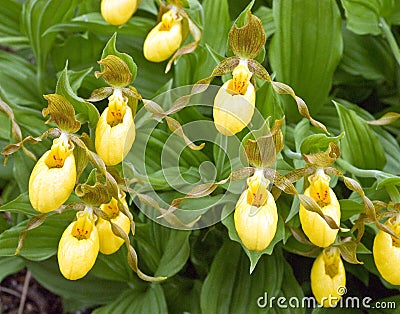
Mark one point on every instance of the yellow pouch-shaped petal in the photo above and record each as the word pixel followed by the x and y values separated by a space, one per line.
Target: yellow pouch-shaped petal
pixel 164 39
pixel 109 242
pixel 256 226
pixel 78 247
pixel 386 252
pixel 328 277
pixel 234 102
pixel 115 131
pixel 118 12
pixel 315 227
pixel 53 178
pixel 233 112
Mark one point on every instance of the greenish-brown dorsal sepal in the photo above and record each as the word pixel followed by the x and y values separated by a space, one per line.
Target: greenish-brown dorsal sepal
pixel 247 41
pixel 324 159
pixel 115 71
pixel 61 112
pixel 262 152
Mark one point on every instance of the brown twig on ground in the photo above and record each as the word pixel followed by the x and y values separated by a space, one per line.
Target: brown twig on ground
pixel 24 292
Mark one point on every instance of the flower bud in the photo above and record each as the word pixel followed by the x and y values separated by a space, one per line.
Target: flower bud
pixel 109 242
pixel 78 247
pixel 118 12
pixel 234 102
pixel 256 216
pixel 53 177
pixel 164 39
pixel 115 131
pixel 386 250
pixel 328 277
pixel 314 226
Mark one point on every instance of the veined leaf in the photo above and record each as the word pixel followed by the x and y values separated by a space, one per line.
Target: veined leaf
pixel 360 146
pixel 10 265
pixel 165 250
pixel 37 17
pixel 363 16
pixel 20 205
pixel 229 288
pixel 77 294
pixel 306 48
pixel 40 243
pixel 151 300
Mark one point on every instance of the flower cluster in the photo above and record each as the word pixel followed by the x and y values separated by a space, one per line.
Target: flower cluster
pixel 84 238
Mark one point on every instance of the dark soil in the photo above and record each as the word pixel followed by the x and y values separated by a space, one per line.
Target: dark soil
pixel 33 298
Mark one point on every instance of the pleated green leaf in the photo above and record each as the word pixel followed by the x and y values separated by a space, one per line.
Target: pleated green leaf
pixel 360 146
pixel 306 48
pixel 151 300
pixel 229 288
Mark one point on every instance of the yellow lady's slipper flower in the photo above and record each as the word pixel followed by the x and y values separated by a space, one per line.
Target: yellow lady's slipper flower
pixel 53 177
pixel 234 102
pixel 256 216
pixel 78 247
pixel 115 130
pixel 109 242
pixel 118 12
pixel 328 277
pixel 315 227
pixel 386 252
pixel 165 38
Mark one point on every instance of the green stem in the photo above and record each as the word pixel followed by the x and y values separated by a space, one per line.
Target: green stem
pixel 390 38
pixel 393 192
pixel 363 173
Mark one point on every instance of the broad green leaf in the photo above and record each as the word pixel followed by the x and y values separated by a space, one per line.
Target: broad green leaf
pixel 183 295
pixel 86 112
pixel 360 146
pixel 349 208
pixel 229 288
pixel 290 289
pixel 363 16
pixel 267 18
pixel 76 294
pixel 18 81
pixel 10 33
pixel 306 48
pixel 82 52
pixel 254 256
pixel 94 22
pixel 216 24
pixel 367 56
pixel 151 300
pixel 40 243
pixel 269 103
pixel 114 267
pixel 37 17
pixel 22 168
pixel 19 205
pixel 164 250
pixel 10 265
